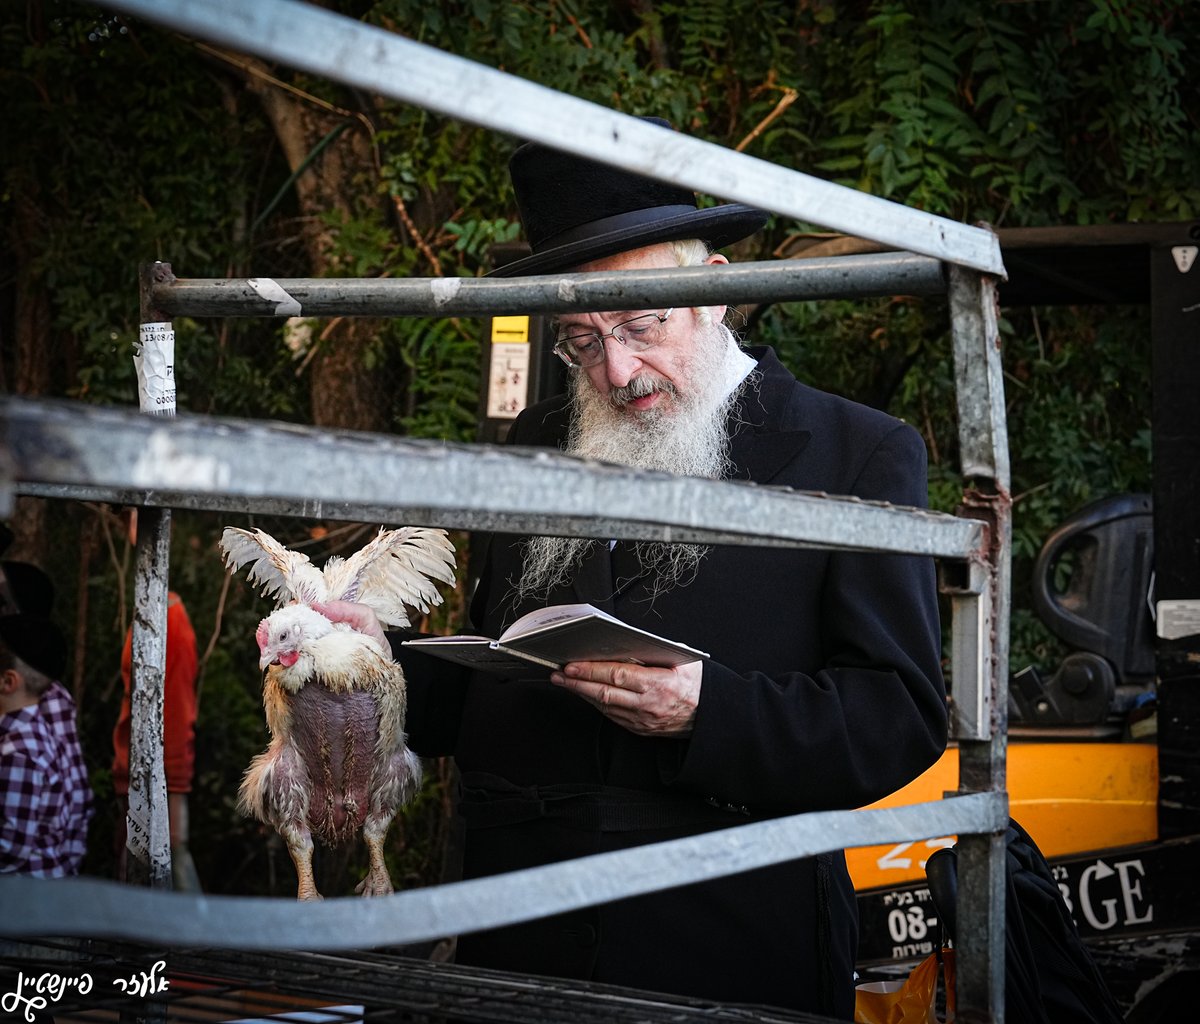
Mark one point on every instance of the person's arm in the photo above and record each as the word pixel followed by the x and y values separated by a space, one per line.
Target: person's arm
pixel 179 700
pixel 177 818
pixel 874 716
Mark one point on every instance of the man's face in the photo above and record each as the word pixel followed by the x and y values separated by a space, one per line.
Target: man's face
pixel 664 409
pixel 666 367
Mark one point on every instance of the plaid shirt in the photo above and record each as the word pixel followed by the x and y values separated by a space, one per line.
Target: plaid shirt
pixel 44 793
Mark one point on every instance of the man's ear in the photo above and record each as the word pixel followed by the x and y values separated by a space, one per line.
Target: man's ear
pixel 718 312
pixel 10 681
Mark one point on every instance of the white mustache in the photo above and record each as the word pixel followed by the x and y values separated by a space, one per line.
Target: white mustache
pixel 640 387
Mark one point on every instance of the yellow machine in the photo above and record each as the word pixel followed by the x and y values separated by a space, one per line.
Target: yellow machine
pixel 1070 797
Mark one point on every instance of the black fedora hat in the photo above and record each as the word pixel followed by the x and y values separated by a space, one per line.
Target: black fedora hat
pixel 575 210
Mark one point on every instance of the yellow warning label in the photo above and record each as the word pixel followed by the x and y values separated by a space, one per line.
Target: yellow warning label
pixel 510 329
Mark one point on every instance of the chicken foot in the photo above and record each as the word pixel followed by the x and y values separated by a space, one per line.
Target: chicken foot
pixel 377 881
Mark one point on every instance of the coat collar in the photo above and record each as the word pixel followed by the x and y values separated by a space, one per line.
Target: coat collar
pixel 764 430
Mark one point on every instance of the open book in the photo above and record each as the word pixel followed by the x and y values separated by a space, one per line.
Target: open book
pixel 546 639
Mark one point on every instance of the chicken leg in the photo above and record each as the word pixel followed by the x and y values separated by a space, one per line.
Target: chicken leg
pixel 300 845
pixel 378 881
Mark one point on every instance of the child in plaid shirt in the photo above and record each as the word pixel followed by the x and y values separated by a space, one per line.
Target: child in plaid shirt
pixel 45 800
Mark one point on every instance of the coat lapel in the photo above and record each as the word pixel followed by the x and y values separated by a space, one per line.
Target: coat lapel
pixel 767 436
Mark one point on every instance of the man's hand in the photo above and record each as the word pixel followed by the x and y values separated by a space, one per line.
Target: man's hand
pixel 646 701
pixel 358 617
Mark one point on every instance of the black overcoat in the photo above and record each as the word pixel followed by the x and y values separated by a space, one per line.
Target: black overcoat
pixel 824 690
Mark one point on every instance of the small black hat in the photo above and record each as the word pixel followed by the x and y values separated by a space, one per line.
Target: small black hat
pixel 29 589
pixel 575 210
pixel 36 641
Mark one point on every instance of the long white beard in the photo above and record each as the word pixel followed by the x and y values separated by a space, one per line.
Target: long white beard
pixel 691 438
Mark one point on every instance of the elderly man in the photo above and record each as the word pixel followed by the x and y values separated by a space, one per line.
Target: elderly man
pixel 823 689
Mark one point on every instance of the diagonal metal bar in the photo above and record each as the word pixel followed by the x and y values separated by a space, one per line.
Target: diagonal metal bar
pixel 92 907
pixel 239 462
pixel 304 36
pixel 872 275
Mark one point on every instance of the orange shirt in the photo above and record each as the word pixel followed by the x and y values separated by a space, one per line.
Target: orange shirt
pixel 179 704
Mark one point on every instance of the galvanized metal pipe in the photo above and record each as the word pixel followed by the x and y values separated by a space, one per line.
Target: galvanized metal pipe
pixel 432 483
pixel 983 441
pixel 147 825
pixel 979 377
pixel 147 832
pixel 90 907
pixel 861 276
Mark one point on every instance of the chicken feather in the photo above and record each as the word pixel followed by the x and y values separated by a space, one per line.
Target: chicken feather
pixel 396 569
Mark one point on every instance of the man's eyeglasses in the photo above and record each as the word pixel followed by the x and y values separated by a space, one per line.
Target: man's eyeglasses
pixel 637 335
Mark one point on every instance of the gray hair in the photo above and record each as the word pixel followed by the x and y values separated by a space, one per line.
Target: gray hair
pixel 692 252
pixel 689 252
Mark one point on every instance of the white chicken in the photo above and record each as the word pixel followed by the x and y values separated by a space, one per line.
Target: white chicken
pixel 335 700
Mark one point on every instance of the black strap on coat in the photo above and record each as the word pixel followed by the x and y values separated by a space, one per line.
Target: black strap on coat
pixel 489 801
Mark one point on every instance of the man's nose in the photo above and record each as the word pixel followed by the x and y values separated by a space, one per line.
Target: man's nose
pixel 620 364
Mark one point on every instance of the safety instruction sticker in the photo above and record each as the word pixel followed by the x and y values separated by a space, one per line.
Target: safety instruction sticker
pixel 154 361
pixel 1177 619
pixel 508 377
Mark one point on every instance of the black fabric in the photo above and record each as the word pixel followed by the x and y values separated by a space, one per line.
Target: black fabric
pixel 1049 974
pixel 36 641
pixel 575 210
pixel 29 590
pixel 488 801
pixel 823 690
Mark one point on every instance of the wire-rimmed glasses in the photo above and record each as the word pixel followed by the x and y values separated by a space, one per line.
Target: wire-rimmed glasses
pixel 637 334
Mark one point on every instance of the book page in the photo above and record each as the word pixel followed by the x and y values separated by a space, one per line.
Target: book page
pixel 542 617
pixel 458 638
pixel 484 655
pixel 593 637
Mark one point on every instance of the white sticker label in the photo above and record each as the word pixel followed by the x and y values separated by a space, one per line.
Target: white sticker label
pixel 154 361
pixel 1185 256
pixel 508 383
pixel 1178 619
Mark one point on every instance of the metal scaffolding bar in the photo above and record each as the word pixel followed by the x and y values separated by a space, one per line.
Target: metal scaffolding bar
pixel 147 825
pixel 90 907
pixel 384 63
pixel 980 640
pixel 872 275
pixel 434 483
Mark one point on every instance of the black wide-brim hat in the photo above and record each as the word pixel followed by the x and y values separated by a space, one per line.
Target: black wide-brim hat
pixel 575 210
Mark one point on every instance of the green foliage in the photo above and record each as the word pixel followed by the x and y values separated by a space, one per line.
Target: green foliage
pixel 1030 113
